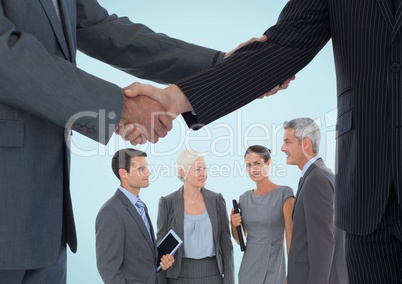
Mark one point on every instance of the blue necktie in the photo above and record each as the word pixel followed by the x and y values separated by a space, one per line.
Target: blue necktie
pixel 141 209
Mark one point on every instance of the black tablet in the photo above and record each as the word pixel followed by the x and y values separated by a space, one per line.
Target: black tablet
pixel 168 245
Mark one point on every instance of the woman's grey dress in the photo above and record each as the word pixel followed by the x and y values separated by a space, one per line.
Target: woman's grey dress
pixel 262 216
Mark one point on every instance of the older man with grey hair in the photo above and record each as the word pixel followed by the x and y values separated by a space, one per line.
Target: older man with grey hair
pixel 316 253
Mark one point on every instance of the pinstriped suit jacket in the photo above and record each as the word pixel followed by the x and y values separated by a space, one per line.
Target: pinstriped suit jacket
pixel 171 216
pixel 41 89
pixel 367 45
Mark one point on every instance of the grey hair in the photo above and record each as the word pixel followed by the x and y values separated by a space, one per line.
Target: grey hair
pixel 305 127
pixel 186 158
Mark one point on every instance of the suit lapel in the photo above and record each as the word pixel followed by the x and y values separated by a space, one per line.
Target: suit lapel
pixel 153 244
pixel 397 23
pixel 137 218
pixel 66 9
pixel 302 180
pixel 56 25
pixel 393 20
pixel 210 203
pixel 179 212
pixel 387 11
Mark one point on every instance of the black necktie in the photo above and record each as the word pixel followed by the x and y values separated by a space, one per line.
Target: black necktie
pixel 300 182
pixel 297 194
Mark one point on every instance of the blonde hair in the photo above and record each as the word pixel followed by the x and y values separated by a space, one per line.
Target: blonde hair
pixel 186 158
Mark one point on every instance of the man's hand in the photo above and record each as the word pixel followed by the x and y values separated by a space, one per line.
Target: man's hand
pixel 148 111
pixel 166 261
pixel 172 99
pixel 229 53
pixel 173 102
pixel 279 87
pixel 263 38
pixel 143 119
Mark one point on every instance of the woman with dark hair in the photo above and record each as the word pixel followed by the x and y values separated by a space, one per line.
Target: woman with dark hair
pixel 266 214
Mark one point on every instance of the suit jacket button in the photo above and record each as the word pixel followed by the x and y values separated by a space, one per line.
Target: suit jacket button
pixel 395 67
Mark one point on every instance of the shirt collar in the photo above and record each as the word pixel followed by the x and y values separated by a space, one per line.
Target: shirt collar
pixel 308 164
pixel 133 199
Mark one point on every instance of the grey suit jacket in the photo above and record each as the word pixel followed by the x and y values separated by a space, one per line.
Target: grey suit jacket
pixel 367 44
pixel 171 216
pixel 43 95
pixel 124 251
pixel 317 252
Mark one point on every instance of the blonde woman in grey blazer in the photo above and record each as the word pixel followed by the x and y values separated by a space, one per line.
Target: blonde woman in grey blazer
pixel 196 213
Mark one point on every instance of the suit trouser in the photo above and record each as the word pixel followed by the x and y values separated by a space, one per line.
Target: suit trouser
pixel 377 258
pixel 52 274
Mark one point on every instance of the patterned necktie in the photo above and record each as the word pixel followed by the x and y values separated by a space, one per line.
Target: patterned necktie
pixel 141 209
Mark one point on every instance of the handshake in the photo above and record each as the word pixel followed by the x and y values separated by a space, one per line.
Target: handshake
pixel 148 112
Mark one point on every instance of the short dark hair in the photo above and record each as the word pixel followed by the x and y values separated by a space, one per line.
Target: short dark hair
pixel 122 159
pixel 261 151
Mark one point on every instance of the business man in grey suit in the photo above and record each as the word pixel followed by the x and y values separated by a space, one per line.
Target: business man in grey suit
pixel 317 252
pixel 366 37
pixel 43 95
pixel 125 244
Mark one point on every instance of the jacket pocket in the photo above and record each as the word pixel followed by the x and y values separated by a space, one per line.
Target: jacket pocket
pixel 344 101
pixel 344 123
pixel 344 120
pixel 12 133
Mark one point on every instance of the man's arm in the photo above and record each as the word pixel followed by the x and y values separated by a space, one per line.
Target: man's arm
pixel 34 81
pixel 35 77
pixel 174 103
pixel 302 30
pixel 135 48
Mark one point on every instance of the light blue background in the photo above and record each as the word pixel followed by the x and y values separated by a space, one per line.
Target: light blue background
pixel 221 25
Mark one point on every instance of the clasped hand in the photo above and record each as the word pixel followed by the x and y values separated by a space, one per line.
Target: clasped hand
pixel 148 112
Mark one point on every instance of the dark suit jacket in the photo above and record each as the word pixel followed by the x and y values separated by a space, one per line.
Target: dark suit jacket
pixel 171 216
pixel 367 45
pixel 124 251
pixel 317 253
pixel 42 93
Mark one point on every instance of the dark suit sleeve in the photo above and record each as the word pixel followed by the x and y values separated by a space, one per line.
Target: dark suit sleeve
pixel 110 246
pixel 36 78
pixel 318 206
pixel 225 242
pixel 135 48
pixel 302 30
